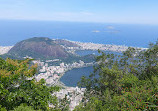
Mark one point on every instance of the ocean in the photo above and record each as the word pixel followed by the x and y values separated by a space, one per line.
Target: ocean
pixel 13 31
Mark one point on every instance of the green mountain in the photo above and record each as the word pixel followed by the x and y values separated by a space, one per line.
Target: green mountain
pixel 38 47
pixel 44 48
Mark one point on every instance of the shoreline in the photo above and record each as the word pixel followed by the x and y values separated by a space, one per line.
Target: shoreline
pixel 53 74
pixel 84 46
pixel 61 83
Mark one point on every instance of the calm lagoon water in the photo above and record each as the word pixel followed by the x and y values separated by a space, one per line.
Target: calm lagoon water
pixel 73 76
pixel 95 52
pixel 86 52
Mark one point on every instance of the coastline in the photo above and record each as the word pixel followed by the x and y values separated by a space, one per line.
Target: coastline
pixel 53 74
pixel 62 84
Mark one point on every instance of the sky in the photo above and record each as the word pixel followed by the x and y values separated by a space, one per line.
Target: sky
pixel 104 11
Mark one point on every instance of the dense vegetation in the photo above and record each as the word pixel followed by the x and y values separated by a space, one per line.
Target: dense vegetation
pixel 121 83
pixel 19 92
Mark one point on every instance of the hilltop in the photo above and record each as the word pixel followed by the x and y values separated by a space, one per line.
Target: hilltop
pixel 39 47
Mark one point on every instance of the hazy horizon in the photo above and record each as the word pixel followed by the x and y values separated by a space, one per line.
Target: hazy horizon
pixel 97 11
pixel 132 22
pixel 13 31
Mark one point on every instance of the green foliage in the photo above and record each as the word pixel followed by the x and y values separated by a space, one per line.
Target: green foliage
pixel 23 107
pixel 2 108
pixel 94 104
pixel 123 82
pixel 64 104
pixel 18 86
pixel 39 39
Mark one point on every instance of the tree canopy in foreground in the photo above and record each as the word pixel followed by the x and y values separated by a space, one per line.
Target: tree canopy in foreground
pixel 120 82
pixel 123 82
pixel 18 92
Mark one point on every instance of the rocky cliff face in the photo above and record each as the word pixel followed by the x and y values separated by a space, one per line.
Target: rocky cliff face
pixel 39 47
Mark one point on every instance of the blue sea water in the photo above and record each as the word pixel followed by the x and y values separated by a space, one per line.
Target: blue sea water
pixel 13 31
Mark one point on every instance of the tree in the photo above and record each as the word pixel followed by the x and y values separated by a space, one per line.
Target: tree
pixel 123 82
pixel 18 86
pixel 24 108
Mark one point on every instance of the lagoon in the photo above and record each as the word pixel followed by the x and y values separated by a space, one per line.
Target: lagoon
pixel 94 52
pixel 73 76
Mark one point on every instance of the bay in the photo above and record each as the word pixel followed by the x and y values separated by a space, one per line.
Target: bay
pixel 73 76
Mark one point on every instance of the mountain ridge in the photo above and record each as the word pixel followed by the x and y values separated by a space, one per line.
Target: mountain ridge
pixel 39 46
